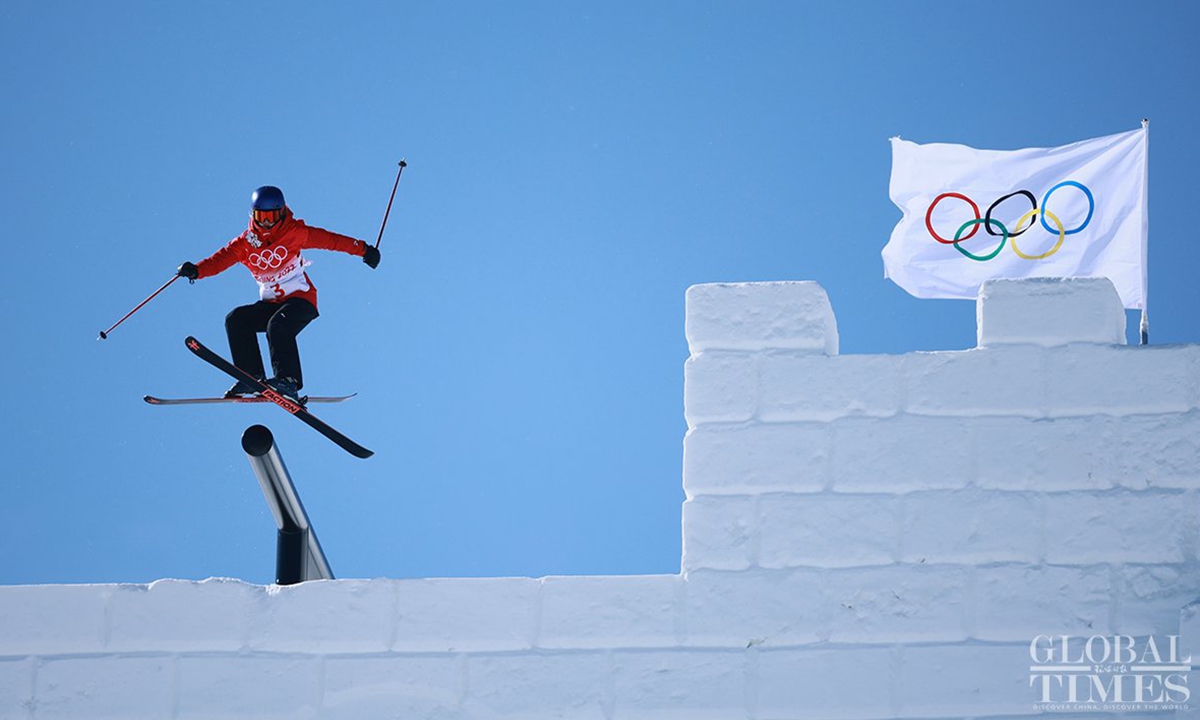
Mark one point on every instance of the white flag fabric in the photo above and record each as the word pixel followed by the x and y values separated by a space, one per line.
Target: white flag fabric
pixel 972 215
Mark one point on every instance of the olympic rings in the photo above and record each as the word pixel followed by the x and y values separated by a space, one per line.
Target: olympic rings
pixel 929 216
pixel 1062 235
pixel 977 221
pixel 269 259
pixel 1034 216
pixel 1091 206
pixel 1032 201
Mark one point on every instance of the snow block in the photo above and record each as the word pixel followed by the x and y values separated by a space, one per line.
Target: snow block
pixel 1049 311
pixel 752 458
pixel 701 684
pixel 1008 380
pixel 720 387
pixel 970 527
pixel 902 454
pixel 754 607
pixel 181 615
pixel 719 533
pixel 1149 597
pixel 798 388
pixel 1119 526
pixel 342 615
pixel 898 603
pixel 99 687
pixel 951 681
pixel 1189 630
pixel 565 685
pixel 393 686
pixel 759 316
pixel 269 687
pixel 841 682
pixel 42 620
pixel 1156 451
pixel 1112 380
pixel 1049 454
pixel 466 614
pixel 1018 602
pixel 16 689
pixel 612 612
pixel 827 530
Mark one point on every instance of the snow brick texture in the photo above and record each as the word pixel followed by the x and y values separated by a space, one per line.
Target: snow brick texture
pixel 864 537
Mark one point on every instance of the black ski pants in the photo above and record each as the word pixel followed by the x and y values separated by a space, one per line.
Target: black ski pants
pixel 282 322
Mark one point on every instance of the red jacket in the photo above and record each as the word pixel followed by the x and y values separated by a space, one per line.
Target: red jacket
pixel 273 257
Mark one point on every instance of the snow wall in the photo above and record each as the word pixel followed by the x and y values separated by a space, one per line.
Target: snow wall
pixel 864 537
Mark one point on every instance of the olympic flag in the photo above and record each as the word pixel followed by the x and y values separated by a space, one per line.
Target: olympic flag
pixel 972 215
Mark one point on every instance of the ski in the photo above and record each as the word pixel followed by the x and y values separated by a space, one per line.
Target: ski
pixel 199 350
pixel 245 399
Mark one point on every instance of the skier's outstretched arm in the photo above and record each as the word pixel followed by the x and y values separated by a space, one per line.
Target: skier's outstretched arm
pixel 218 262
pixel 321 239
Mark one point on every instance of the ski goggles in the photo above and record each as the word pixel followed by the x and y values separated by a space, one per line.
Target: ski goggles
pixel 267 218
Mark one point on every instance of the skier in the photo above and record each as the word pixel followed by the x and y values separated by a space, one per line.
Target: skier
pixel 270 248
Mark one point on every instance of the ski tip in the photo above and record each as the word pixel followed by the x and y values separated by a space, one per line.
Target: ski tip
pixel 150 399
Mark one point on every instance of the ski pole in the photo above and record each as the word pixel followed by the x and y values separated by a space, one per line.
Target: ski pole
pixel 104 333
pixel 389 207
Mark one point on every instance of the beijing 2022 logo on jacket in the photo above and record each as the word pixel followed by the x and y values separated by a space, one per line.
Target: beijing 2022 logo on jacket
pixel 270 259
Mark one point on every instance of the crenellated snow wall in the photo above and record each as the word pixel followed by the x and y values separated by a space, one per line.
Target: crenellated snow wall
pixel 864 537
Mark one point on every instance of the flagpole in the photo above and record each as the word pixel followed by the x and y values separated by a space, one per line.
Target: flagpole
pixel 1145 328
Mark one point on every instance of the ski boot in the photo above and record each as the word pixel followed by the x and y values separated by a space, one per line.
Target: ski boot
pixel 286 387
pixel 241 388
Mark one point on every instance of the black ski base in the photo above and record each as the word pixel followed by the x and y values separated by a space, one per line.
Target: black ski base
pixel 265 391
pixel 241 400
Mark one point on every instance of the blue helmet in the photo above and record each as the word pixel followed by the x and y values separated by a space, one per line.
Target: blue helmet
pixel 267 197
pixel 267 206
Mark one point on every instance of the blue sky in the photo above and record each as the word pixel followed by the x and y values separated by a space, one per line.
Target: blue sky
pixel 573 168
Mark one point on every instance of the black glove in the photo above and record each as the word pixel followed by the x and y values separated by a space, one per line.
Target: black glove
pixel 189 271
pixel 371 256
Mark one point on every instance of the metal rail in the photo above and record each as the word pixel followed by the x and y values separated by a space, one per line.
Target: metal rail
pixel 298 553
